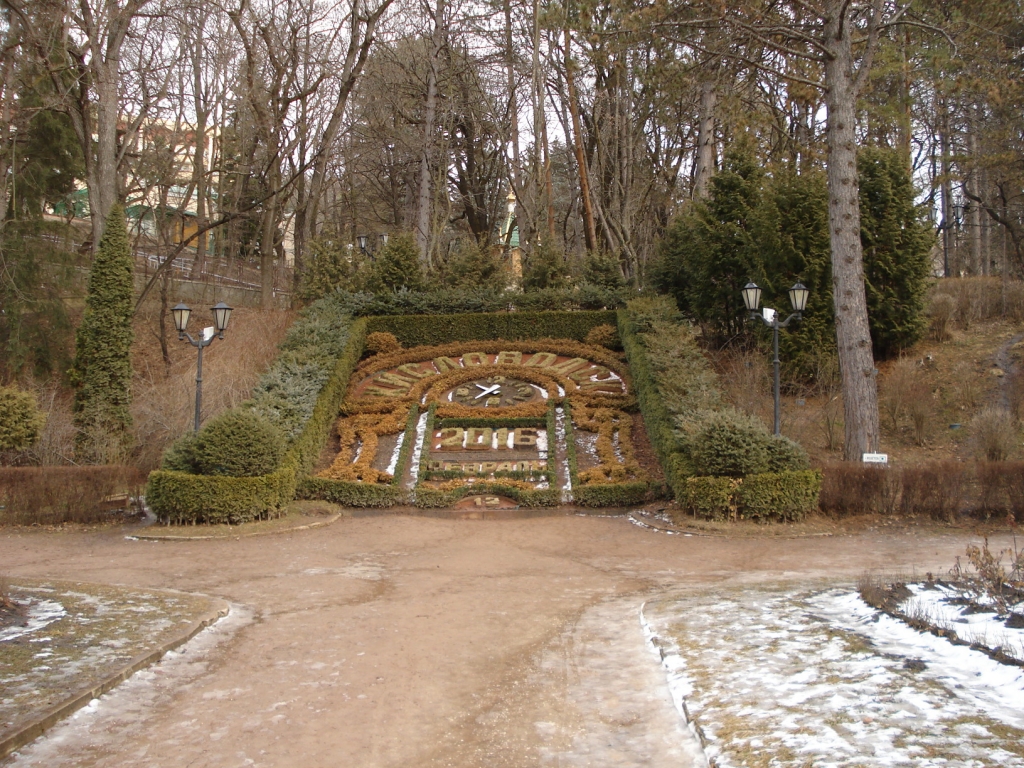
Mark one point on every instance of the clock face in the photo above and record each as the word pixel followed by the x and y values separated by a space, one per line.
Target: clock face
pixel 495 392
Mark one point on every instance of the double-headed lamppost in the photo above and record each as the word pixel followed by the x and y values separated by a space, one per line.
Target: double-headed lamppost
pixel 364 242
pixel 221 315
pixel 752 300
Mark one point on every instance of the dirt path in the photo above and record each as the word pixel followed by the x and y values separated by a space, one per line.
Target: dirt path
pixel 397 641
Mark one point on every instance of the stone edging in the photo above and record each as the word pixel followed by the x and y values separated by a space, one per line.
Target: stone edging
pixel 39 725
pixel 308 526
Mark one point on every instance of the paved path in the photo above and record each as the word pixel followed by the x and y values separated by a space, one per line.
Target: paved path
pixel 398 641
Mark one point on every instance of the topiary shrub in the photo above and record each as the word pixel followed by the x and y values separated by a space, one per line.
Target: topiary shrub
pixel 730 444
pixel 238 443
pixel 785 455
pixel 21 421
pixel 382 343
pixel 604 336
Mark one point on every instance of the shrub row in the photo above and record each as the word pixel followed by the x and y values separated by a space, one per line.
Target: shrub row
pixel 183 497
pixel 788 495
pixel 55 495
pixel 455 301
pixel 417 330
pixel 434 498
pixel 940 490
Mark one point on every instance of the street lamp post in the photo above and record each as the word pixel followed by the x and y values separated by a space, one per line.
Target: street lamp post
pixel 752 299
pixel 221 315
pixel 366 246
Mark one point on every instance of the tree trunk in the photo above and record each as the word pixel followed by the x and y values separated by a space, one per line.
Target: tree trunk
pixel 423 196
pixel 705 160
pixel 589 231
pixel 853 337
pixel 947 189
pixel 103 184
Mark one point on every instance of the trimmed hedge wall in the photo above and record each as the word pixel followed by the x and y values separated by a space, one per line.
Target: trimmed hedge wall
pixel 770 495
pixel 184 498
pixel 434 498
pixel 420 330
pixel 657 417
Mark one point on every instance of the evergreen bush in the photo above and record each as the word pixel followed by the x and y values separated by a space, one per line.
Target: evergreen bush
pixel 238 443
pixel 102 370
pixel 21 421
pixel 397 266
pixel 601 269
pixel 730 444
pixel 785 455
pixel 545 268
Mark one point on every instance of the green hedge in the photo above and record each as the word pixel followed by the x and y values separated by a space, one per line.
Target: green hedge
pixel 184 498
pixel 181 498
pixel 657 417
pixel 418 330
pixel 770 495
pixel 611 494
pixel 710 498
pixel 433 498
pixel 785 495
pixel 348 494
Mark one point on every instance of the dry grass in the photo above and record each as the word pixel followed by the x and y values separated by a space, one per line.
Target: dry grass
pixel 163 398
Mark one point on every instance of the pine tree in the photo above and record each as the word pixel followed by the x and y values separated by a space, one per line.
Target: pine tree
pixel 603 270
pixel 102 369
pixel 397 266
pixel 896 241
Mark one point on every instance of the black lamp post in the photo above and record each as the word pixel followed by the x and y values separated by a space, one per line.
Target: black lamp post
pixel 365 246
pixel 752 300
pixel 221 316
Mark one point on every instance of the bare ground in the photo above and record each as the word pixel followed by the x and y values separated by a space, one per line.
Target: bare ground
pixel 401 641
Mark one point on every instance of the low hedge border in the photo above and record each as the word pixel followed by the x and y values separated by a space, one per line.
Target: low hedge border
pixel 434 498
pixel 772 495
pixel 428 330
pixel 181 498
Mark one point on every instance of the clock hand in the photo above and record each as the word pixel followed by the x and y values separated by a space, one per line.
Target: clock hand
pixel 481 386
pixel 487 391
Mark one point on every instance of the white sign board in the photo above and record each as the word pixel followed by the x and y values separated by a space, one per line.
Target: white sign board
pixel 875 458
pixel 208 332
pixel 769 314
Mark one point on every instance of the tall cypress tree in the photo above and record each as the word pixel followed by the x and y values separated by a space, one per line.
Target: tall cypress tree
pixel 102 369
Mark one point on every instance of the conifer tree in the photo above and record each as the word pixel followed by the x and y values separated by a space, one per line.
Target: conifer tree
pixel 397 266
pixel 102 369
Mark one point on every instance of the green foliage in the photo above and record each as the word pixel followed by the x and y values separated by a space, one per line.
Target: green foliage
pixel 21 421
pixel 473 300
pixel 397 266
pixel 611 494
pixel 773 229
pixel 49 155
pixel 710 498
pixel 415 331
pixel 475 266
pixel 182 498
pixel 786 455
pixel 102 370
pixel 787 495
pixel 545 268
pixel 897 241
pixel 779 495
pixel 355 495
pixel 434 498
pixel 238 443
pixel 181 456
pixel 331 266
pixel 730 444
pixel 603 270
pixel 712 250
pixel 36 333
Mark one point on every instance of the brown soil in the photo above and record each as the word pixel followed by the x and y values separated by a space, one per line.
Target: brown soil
pixel 411 641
